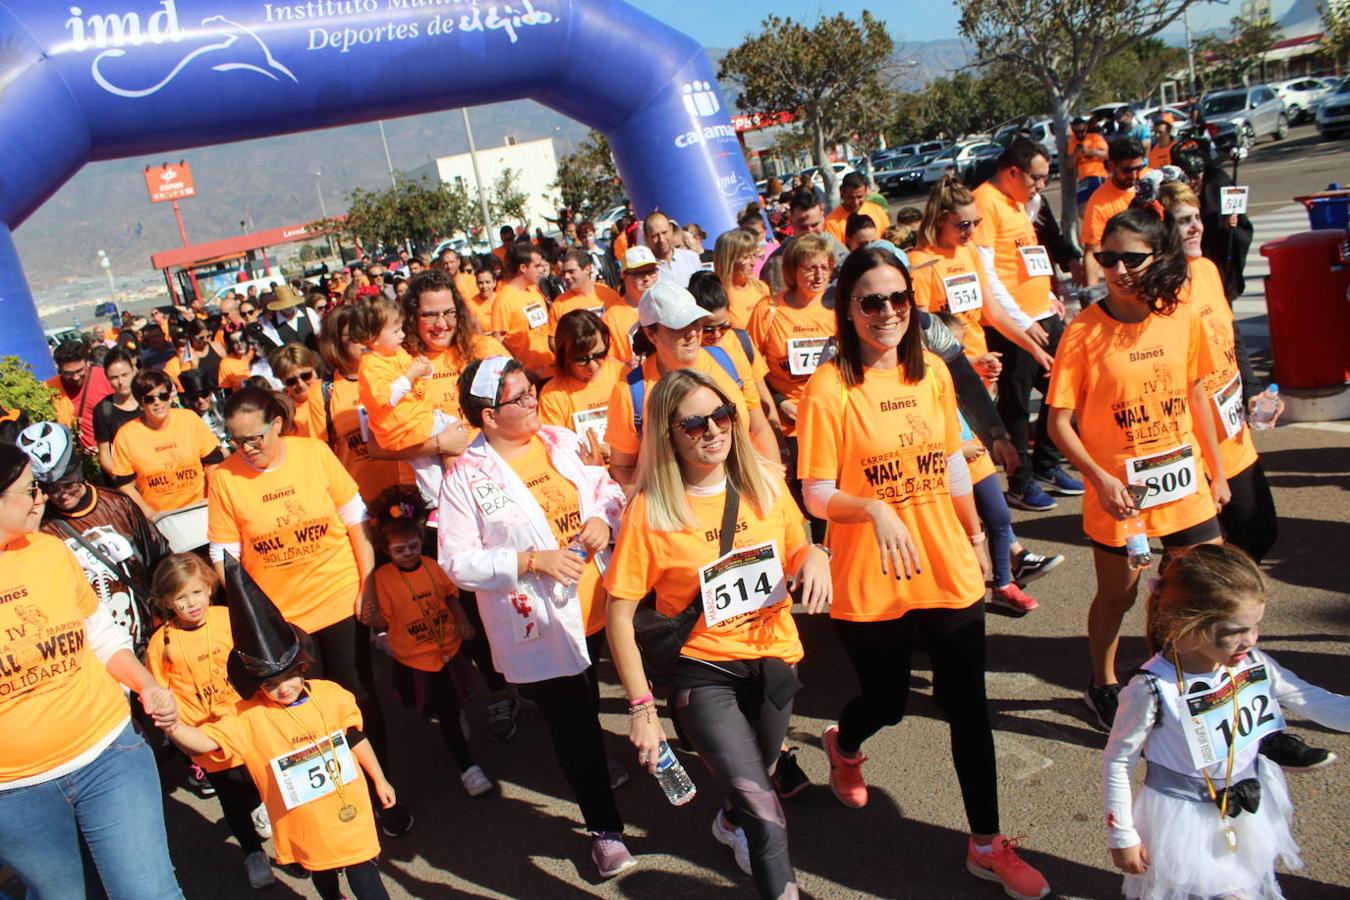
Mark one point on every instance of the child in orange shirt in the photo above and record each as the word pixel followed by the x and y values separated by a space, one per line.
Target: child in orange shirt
pixel 302 743
pixel 187 655
pixel 481 304
pixel 390 384
pixel 420 608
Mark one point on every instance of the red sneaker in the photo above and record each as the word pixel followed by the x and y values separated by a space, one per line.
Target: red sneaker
pixel 1014 599
pixel 845 771
pixel 1019 880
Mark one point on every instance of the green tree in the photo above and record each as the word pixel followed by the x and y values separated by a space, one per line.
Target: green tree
pixel 832 74
pixel 1336 28
pixel 1061 43
pixel 20 389
pixel 506 201
pixel 410 211
pixel 1134 74
pixel 968 102
pixel 1224 63
pixel 587 177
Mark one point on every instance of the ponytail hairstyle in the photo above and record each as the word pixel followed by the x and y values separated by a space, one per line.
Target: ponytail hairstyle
pixel 1197 588
pixel 399 512
pixel 946 196
pixel 1161 283
pixel 255 399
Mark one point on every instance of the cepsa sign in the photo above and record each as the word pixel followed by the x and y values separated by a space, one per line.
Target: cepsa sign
pixel 169 182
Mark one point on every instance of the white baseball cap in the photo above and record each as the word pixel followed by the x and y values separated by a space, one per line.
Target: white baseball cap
pixel 669 305
pixel 638 257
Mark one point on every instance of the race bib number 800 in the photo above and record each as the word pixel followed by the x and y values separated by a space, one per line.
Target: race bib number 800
pixel 741 582
pixel 1169 475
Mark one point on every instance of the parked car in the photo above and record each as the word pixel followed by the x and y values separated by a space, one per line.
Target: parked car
pixel 904 175
pixel 961 157
pixel 1333 113
pixel 840 170
pixel 1300 95
pixel 1242 116
pixel 1041 129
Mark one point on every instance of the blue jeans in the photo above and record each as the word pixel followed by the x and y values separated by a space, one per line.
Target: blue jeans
pixel 993 509
pixel 115 804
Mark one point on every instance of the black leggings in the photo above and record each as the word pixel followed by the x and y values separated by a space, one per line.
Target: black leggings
pixel 738 732
pixel 477 647
pixel 344 657
pixel 594 644
pixel 238 798
pixel 579 745
pixel 363 879
pixel 881 655
pixel 437 694
pixel 1249 519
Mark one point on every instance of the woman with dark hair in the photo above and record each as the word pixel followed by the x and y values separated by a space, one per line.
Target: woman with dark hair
pixel 1132 368
pixel 881 461
pixel 164 459
pixel 298 369
pixel 578 396
pixel 526 525
pixel 73 770
pixel 119 407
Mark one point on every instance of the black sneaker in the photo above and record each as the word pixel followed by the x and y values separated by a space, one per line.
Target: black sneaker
pixel 396 821
pixel 1103 700
pixel 1029 566
pixel 501 718
pixel 197 782
pixel 1292 753
pixel 788 778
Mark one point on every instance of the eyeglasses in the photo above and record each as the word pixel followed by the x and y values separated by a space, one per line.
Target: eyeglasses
pixel 57 487
pixel 163 396
pixel 968 224
pixel 1132 169
pixel 294 381
pixel 448 315
pixel 320 307
pixel 32 491
pixel 526 399
pixel 716 330
pixel 696 427
pixel 1108 259
pixel 247 312
pixel 873 305
pixel 75 373
pixel 1037 179
pixel 590 358
pixel 252 441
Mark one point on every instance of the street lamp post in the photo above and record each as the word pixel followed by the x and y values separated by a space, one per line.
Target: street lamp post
pixel 477 178
pixel 106 265
pixel 318 186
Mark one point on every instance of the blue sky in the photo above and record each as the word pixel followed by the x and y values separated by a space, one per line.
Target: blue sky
pixel 719 23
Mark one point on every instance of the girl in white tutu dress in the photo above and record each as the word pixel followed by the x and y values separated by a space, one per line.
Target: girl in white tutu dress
pixel 1213 816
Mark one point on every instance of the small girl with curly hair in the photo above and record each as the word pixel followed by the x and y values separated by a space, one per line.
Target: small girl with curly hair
pixel 420 608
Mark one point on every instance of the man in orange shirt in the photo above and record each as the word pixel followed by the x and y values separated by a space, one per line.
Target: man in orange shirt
pixel 853 201
pixel 1125 161
pixel 583 291
pixel 520 312
pixel 449 263
pixel 639 274
pixel 1088 149
pixel 1160 153
pixel 77 388
pixel 508 236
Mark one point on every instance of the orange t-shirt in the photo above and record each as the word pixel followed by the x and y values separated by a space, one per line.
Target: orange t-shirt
pixel 602 297
pixel 344 406
pixel 442 386
pixel 622 322
pixel 620 432
pixel 582 406
pixel 791 341
pixel 521 317
pixel 286 523
pixel 302 738
pixel 1088 167
pixel 1160 156
pixel 836 223
pixel 669 561
pixel 1224 384
pixel 191 663
pixel 743 300
pixel 620 246
pixel 56 698
pixel 730 341
pixel 396 426
pixel 1129 385
pixel 233 372
pixel 889 440
pixel 1104 203
pixel 167 461
pixel 467 285
pixel 413 604
pixel 480 306
pixel 1006 229
pixel 952 278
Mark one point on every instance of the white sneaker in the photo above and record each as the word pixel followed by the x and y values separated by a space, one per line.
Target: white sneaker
pixel 733 838
pixel 261 823
pixel 259 869
pixel 475 782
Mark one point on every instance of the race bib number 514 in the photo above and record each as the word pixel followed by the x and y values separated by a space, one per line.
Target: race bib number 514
pixel 741 582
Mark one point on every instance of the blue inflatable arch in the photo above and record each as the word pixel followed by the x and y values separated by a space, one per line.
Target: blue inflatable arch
pixel 84 80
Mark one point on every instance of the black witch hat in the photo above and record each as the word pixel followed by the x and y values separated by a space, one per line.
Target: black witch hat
pixel 265 644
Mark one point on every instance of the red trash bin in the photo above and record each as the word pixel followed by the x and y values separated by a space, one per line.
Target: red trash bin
pixel 1308 303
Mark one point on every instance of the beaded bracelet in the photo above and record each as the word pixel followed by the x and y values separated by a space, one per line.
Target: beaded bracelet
pixel 529 563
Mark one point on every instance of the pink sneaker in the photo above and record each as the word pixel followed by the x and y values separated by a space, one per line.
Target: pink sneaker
pixel 1014 599
pixel 1019 880
pixel 846 779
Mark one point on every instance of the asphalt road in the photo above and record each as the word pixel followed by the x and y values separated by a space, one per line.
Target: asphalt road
pixel 524 841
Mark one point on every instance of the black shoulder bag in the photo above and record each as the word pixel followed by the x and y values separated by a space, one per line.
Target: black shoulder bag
pixel 660 638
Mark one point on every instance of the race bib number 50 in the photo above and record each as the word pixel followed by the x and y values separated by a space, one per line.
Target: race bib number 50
pixel 741 582
pixel 310 772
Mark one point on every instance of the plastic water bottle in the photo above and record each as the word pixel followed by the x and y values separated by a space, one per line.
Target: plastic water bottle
pixel 562 592
pixel 1136 545
pixel 672 777
pixel 1264 407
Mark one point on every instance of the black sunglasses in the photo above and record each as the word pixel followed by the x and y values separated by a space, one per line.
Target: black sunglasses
pixel 1107 259
pixel 247 312
pixel 159 397
pixel 968 224
pixel 590 358
pixel 295 380
pixel 872 305
pixel 695 427
pixel 717 330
